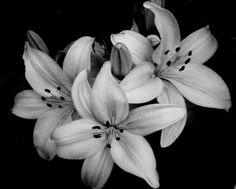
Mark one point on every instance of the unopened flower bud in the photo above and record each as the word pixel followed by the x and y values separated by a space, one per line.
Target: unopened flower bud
pixel 98 57
pixel 121 60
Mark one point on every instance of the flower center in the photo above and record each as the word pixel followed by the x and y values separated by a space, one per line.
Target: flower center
pixel 110 131
pixel 177 61
pixel 54 101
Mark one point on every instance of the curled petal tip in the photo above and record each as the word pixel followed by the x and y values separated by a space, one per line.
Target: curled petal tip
pixel 36 41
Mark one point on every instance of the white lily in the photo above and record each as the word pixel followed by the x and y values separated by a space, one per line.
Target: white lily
pixel 110 133
pixel 50 100
pixel 178 63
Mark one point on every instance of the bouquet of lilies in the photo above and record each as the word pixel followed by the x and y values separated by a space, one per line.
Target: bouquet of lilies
pixel 100 109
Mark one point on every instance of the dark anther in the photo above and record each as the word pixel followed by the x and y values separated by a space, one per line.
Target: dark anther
pixel 96 127
pixel 58 88
pixel 168 63
pixel 108 145
pixel 166 52
pixel 190 53
pixel 43 98
pixel 182 68
pixel 177 49
pixel 47 90
pixel 108 124
pixel 117 138
pixel 62 98
pixel 121 130
pixel 49 105
pixel 59 106
pixel 97 136
pixel 187 61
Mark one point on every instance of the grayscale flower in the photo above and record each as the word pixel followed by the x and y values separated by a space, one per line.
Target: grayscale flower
pixel 179 64
pixel 50 100
pixel 108 132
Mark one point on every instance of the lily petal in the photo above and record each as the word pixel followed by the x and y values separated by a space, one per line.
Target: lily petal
pixel 141 85
pixel 78 57
pixel 202 45
pixel 139 46
pixel 44 127
pixel 36 41
pixel 29 105
pixel 151 118
pixel 133 154
pixel 154 39
pixel 168 29
pixel 108 101
pixel 75 140
pixel 170 95
pixel 81 93
pixel 97 169
pixel 201 86
pixel 42 73
pixel 63 51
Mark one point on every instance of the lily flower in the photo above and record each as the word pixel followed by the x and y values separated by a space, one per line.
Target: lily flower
pixel 109 133
pixel 180 66
pixel 50 100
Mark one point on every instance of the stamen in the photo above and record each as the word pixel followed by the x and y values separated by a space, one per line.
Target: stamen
pixel 190 53
pixel 168 63
pixel 107 124
pixel 62 98
pixel 108 145
pixel 182 68
pixel 96 127
pixel 177 49
pixel 121 130
pixel 97 136
pixel 117 138
pixel 49 105
pixel 59 106
pixel 43 98
pixel 187 61
pixel 47 90
pixel 58 88
pixel 166 52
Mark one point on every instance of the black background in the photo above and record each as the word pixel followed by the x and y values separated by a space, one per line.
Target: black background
pixel 202 157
